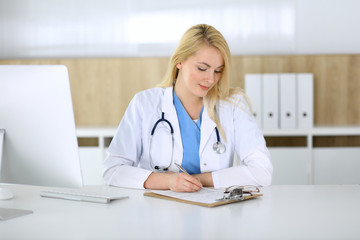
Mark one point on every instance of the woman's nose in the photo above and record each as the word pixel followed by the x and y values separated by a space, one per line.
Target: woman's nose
pixel 210 77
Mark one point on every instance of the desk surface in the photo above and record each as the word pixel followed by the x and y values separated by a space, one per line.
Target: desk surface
pixel 284 212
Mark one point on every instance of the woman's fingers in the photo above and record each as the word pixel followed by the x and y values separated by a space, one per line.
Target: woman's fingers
pixel 192 180
pixel 185 183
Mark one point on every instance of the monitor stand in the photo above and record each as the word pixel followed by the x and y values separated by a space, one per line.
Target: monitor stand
pixel 2 190
pixel 2 136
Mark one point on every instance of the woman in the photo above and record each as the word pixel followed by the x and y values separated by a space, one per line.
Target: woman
pixel 209 122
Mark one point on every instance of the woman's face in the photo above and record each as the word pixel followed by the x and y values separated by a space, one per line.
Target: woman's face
pixel 200 72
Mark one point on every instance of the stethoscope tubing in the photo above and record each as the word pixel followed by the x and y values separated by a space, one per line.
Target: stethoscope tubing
pixel 160 120
pixel 218 146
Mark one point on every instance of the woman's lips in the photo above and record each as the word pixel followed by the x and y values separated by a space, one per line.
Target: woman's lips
pixel 204 88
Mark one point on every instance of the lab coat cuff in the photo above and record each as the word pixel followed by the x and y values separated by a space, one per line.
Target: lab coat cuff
pixel 215 178
pixel 130 177
pixel 238 175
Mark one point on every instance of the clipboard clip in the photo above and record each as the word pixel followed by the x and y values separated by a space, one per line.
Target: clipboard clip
pixel 237 193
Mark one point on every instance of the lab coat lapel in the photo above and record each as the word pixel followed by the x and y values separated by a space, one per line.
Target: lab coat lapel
pixel 170 114
pixel 207 127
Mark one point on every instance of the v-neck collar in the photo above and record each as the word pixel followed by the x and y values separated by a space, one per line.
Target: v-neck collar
pixel 183 114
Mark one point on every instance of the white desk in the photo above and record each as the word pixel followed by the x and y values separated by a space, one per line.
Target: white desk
pixel 284 212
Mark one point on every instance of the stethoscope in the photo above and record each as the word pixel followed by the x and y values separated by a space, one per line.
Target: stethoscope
pixel 218 146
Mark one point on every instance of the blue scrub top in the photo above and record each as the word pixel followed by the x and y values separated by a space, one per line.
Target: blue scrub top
pixel 190 137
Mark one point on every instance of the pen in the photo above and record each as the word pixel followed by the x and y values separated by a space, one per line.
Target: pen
pixel 181 168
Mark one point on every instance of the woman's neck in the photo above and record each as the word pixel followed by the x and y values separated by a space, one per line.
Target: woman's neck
pixel 191 103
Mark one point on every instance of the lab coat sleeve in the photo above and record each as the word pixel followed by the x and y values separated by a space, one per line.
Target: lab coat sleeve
pixel 120 166
pixel 255 168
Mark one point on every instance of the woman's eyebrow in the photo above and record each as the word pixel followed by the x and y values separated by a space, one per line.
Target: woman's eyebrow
pixel 209 65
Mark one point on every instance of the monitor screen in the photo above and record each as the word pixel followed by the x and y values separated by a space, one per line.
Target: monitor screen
pixel 39 145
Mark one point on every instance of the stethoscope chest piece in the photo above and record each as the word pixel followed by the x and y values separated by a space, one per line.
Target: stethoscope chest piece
pixel 219 147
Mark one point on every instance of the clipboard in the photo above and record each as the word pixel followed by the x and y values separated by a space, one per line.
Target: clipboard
pixel 179 197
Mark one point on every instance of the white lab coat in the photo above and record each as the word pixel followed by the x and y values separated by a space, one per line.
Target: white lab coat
pixel 128 165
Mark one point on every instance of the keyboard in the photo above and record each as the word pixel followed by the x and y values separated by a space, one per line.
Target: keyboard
pixel 81 196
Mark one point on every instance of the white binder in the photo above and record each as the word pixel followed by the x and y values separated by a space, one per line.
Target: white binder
pixel 270 101
pixel 253 89
pixel 305 86
pixel 288 101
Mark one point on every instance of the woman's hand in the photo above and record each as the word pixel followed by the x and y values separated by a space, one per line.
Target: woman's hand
pixel 177 182
pixel 183 182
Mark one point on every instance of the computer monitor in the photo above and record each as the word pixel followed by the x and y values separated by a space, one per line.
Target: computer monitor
pixel 39 145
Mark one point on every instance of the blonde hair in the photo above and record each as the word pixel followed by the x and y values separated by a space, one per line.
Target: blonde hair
pixel 193 40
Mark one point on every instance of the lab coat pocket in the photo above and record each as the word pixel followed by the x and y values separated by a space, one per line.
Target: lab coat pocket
pixel 211 161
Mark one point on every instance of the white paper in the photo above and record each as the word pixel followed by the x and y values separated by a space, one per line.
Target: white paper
pixel 205 195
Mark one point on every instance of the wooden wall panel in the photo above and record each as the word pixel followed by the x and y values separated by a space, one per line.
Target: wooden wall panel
pixel 102 88
pixel 336 83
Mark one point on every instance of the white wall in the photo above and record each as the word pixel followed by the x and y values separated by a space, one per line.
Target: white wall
pixel 120 28
pixel 325 26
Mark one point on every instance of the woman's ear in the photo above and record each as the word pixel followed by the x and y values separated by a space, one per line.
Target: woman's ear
pixel 179 65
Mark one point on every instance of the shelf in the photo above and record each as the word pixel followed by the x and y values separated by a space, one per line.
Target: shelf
pixel 108 132
pixel 295 165
pixel 96 131
pixel 316 131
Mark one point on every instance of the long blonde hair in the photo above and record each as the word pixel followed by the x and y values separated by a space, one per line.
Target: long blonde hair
pixel 194 39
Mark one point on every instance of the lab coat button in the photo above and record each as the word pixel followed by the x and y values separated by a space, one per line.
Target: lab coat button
pixel 204 164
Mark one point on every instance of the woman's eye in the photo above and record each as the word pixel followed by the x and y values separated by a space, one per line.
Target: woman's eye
pixel 202 69
pixel 218 71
